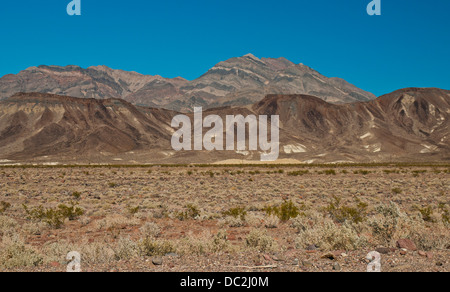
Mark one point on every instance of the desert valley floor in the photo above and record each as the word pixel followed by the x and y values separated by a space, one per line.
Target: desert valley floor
pixel 225 218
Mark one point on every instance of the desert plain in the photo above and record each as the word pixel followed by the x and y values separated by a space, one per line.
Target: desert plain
pixel 218 218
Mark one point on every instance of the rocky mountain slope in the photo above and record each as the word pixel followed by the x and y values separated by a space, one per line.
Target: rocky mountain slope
pixel 39 125
pixel 238 81
pixel 407 125
pixel 411 123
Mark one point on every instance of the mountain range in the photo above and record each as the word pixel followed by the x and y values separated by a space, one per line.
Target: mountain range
pixel 236 82
pixel 407 125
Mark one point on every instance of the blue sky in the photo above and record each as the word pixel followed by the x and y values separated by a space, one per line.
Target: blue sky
pixel 407 46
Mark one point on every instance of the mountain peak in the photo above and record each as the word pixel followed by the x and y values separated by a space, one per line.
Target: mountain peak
pixel 251 56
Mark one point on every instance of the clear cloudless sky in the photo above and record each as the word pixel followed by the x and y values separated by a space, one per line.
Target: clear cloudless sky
pixel 407 46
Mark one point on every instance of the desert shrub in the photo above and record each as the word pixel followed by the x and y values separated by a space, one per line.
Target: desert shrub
pixel 272 222
pixel 191 212
pixel 51 216
pixel 390 224
pixel 76 195
pixel 445 213
pixel 85 220
pixel 161 212
pixel 219 242
pixel 255 220
pixel 329 235
pixel 7 226
pixel 386 224
pixel 92 253
pixel 339 213
pixel 307 220
pixel 397 191
pixel 417 172
pixel 206 243
pixel 54 217
pixel 284 212
pixel 57 251
pixel 112 185
pixel 133 210
pixel 33 228
pixel 427 213
pixel 193 246
pixel 125 249
pixel 155 247
pixel 4 206
pixel 231 221
pixel 96 253
pixel 14 253
pixel 259 239
pixel 150 230
pixel 330 172
pixel 116 222
pixel 364 172
pixel 238 212
pixel 298 173
pixel 71 212
pixel 435 237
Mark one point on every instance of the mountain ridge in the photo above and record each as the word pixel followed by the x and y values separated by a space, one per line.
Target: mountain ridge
pixel 407 125
pixel 237 81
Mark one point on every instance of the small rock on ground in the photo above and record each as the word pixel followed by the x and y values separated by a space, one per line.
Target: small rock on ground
pixel 407 244
pixel 157 261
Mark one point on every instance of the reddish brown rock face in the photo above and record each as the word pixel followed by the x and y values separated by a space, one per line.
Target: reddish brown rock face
pixel 406 244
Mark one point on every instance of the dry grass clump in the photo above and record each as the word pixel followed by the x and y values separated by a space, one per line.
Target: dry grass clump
pixel 7 226
pixel 204 244
pixel 115 222
pixel 155 247
pixel 97 252
pixel 259 239
pixel 231 221
pixel 255 220
pixel 391 224
pixel 272 221
pixel 384 228
pixel 57 251
pixel 125 249
pixel 328 235
pixel 15 254
pixel 4 206
pixel 32 228
pixel 150 230
pixel 191 212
